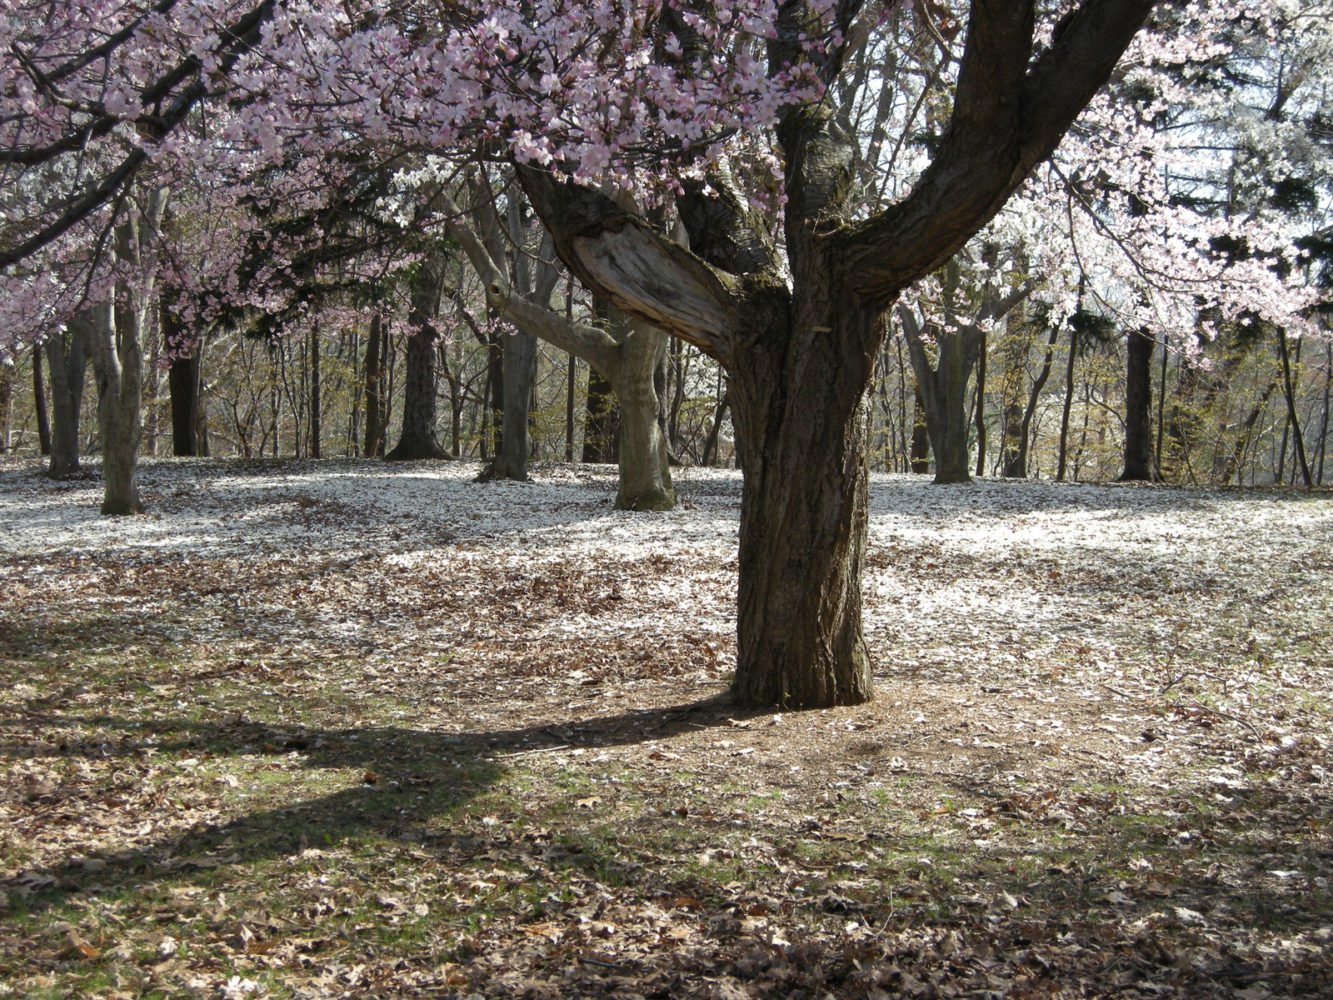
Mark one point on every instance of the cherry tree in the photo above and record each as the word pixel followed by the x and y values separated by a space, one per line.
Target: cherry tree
pixel 727 110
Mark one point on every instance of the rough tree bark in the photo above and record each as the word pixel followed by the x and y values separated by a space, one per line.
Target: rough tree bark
pixel 800 355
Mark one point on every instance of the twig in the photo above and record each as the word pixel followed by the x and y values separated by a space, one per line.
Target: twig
pixel 529 753
pixel 584 960
pixel 1227 715
pixel 1174 681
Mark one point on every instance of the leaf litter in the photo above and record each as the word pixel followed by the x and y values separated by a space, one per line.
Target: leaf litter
pixel 356 729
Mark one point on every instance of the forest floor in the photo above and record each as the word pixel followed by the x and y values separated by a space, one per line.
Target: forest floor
pixel 351 729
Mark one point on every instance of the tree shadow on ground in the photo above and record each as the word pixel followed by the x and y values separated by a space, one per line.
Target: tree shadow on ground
pixel 413 783
pixel 887 913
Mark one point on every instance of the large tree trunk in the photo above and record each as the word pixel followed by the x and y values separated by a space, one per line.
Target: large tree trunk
pixel 67 357
pixel 417 439
pixel 801 433
pixel 1138 408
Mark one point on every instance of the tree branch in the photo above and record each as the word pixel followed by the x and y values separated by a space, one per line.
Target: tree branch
pixel 1007 118
pixel 618 256
pixel 593 344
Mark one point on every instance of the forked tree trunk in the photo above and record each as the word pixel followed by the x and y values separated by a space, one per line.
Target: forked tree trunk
pixel 801 433
pixel 943 390
pixel 799 342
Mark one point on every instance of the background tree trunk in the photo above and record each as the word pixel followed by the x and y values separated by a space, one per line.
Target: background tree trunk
pixel 519 351
pixel 1067 406
pixel 645 476
pixel 1292 421
pixel 39 404
pixel 943 390
pixel 116 342
pixel 601 420
pixel 518 358
pixel 374 372
pixel 183 372
pixel 67 357
pixel 417 439
pixel 6 404
pixel 1138 408
pixel 315 430
pixel 919 456
pixel 1034 397
pixel 980 416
